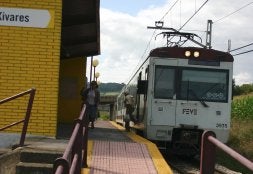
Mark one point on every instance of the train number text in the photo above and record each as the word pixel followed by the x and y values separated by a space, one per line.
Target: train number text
pixel 221 125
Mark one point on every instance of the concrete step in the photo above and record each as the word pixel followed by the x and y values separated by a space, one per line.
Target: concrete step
pixel 34 168
pixel 46 157
pixel 8 161
pixel 36 161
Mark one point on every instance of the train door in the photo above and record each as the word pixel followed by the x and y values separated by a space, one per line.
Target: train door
pixel 163 97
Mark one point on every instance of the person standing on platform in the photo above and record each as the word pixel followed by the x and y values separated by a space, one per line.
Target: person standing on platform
pixel 129 104
pixel 91 97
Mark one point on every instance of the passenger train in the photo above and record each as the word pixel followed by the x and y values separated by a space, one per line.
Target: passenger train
pixel 179 92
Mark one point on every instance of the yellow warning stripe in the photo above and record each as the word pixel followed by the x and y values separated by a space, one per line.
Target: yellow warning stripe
pixel 89 157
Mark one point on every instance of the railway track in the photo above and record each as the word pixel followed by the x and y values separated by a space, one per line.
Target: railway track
pixel 182 165
pixel 186 168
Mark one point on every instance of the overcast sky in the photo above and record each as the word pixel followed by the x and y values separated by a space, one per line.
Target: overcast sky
pixel 124 33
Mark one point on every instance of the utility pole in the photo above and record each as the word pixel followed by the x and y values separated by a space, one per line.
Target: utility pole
pixel 229 45
pixel 209 34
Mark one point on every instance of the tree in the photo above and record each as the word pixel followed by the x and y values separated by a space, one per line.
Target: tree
pixel 243 89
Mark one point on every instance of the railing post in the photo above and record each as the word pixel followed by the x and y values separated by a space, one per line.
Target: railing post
pixel 85 142
pixel 61 166
pixel 85 139
pixel 72 160
pixel 27 117
pixel 77 149
pixel 208 153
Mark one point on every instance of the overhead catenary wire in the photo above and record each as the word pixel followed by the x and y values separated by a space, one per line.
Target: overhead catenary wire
pixel 194 14
pixel 243 53
pixel 230 14
pixel 155 30
pixel 241 47
pixel 220 19
pixel 161 19
pixel 136 67
pixel 127 80
pixel 169 10
pixel 148 45
pixel 233 12
pixel 196 11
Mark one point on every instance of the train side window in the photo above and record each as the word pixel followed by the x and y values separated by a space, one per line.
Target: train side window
pixel 142 87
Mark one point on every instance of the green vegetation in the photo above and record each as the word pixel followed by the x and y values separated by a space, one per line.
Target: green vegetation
pixel 104 115
pixel 241 140
pixel 110 93
pixel 241 134
pixel 242 108
pixel 106 88
pixel 242 90
pixel 109 89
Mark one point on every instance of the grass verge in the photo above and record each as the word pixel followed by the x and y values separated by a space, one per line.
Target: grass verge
pixel 241 140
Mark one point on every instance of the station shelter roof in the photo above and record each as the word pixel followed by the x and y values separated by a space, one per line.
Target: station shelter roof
pixel 80 35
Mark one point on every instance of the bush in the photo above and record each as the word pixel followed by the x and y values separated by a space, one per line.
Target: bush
pixel 243 89
pixel 242 109
pixel 103 115
pixel 246 88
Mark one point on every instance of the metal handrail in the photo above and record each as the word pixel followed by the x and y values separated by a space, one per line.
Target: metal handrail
pixel 208 147
pixel 27 116
pixel 75 154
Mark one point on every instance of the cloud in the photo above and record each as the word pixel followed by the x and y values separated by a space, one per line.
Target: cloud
pixel 243 78
pixel 122 41
pixel 124 37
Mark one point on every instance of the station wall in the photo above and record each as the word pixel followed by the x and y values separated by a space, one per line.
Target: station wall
pixel 30 57
pixel 72 80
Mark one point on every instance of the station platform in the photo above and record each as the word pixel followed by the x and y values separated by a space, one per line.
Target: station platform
pixel 112 150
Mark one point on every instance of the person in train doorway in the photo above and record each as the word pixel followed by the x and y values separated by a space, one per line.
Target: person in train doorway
pixel 129 104
pixel 91 97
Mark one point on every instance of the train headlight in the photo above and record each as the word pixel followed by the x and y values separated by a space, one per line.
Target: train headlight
pixel 187 53
pixel 196 54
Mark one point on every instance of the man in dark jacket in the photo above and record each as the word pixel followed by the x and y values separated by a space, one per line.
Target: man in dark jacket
pixel 91 97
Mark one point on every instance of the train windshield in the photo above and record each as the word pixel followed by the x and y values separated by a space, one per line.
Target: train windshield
pixel 204 85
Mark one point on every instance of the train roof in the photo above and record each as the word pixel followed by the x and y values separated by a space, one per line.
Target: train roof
pixel 179 52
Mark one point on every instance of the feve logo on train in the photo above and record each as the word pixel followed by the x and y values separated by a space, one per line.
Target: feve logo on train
pixel 187 111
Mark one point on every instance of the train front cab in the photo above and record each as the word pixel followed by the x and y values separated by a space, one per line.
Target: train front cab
pixel 186 99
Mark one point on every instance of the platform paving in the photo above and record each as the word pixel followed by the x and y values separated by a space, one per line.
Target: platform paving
pixel 111 150
pixel 105 131
pixel 114 151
